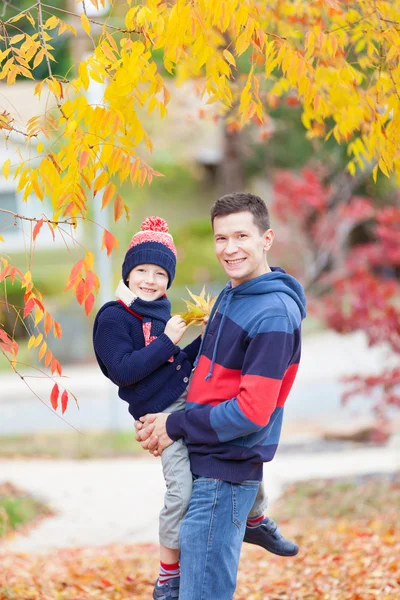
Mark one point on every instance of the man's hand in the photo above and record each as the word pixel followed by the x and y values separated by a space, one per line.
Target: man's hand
pixel 151 433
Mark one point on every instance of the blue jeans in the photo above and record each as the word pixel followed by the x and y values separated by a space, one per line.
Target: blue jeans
pixel 211 538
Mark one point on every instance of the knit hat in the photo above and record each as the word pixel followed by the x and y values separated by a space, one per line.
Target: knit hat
pixel 152 245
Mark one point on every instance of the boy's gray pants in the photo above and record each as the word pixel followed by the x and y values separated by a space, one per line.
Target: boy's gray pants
pixel 178 479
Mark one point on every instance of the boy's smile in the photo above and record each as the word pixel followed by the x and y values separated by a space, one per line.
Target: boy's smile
pixel 148 282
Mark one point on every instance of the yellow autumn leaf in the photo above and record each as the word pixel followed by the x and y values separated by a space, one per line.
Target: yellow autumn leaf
pixel 38 340
pixel 6 168
pixel 199 309
pixel 38 316
pixel 42 350
pixel 85 23
pixel 229 57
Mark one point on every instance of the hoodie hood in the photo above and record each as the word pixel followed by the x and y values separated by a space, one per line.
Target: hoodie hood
pixel 277 280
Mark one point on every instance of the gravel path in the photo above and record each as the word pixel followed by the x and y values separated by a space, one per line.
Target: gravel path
pixel 100 502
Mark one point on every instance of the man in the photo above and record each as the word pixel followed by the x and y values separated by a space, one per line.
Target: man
pixel 244 372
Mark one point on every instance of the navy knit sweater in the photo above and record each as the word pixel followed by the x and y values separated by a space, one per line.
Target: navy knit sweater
pixel 146 380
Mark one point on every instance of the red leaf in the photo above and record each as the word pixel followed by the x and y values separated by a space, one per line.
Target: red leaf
pixel 64 401
pixel 39 304
pixel 54 396
pixel 89 282
pixel 37 228
pixel 4 273
pixel 80 291
pixel 89 303
pixel 29 306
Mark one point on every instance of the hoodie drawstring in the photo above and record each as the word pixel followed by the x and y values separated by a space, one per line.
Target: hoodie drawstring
pixel 210 318
pixel 228 301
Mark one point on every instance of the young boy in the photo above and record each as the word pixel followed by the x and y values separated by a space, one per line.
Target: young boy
pixel 135 341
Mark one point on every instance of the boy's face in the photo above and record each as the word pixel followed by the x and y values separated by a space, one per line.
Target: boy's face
pixel 241 247
pixel 148 282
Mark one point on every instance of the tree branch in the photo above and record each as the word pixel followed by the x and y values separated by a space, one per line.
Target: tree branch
pixel 70 221
pixel 91 20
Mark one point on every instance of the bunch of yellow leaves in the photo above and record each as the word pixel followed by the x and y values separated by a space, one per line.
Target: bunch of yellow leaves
pixel 198 310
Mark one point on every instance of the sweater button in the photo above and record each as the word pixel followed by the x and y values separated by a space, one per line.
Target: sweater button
pixel 179 367
pixel 185 379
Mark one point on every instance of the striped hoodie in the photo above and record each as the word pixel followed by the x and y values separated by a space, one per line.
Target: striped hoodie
pixel 245 369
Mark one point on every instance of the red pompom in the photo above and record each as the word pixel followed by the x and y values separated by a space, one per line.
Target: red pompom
pixel 154 224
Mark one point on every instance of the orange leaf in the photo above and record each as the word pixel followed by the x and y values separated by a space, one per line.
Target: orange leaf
pixel 64 401
pixel 143 175
pixel 118 207
pixel 48 358
pixel 108 194
pixel 37 228
pixel 54 396
pixel 134 170
pixel 57 329
pixel 76 269
pixel 89 282
pixel 100 182
pixel 48 320
pixel 89 303
pixel 108 241
pixel 83 159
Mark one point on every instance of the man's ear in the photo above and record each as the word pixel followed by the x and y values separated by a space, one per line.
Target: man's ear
pixel 269 236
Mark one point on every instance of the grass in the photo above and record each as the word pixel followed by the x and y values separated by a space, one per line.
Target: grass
pixel 77 446
pixel 330 499
pixel 17 508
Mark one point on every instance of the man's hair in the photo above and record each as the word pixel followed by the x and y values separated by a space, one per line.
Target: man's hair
pixel 242 202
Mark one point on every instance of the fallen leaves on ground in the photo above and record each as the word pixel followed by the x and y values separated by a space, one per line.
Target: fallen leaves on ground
pixel 351 557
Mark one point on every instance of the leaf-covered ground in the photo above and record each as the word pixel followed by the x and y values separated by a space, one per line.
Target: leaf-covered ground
pixel 350 548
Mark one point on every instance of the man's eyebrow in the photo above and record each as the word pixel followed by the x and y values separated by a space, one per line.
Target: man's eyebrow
pixel 239 231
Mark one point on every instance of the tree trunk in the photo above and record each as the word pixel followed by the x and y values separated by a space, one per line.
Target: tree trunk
pixel 230 176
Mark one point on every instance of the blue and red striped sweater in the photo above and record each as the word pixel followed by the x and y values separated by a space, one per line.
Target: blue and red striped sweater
pixel 246 367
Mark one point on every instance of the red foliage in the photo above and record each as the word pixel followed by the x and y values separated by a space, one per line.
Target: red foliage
pixel 357 286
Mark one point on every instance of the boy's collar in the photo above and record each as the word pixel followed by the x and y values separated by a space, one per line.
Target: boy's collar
pixel 124 293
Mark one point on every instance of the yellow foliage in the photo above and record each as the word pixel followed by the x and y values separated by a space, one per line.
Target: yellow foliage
pixel 339 59
pixel 198 309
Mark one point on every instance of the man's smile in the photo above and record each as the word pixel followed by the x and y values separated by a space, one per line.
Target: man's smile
pixel 236 261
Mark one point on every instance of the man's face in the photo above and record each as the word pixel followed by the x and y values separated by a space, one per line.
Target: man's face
pixel 241 247
pixel 148 282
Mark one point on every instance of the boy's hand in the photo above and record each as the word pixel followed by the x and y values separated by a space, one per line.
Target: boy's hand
pixel 175 328
pixel 203 328
pixel 152 434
